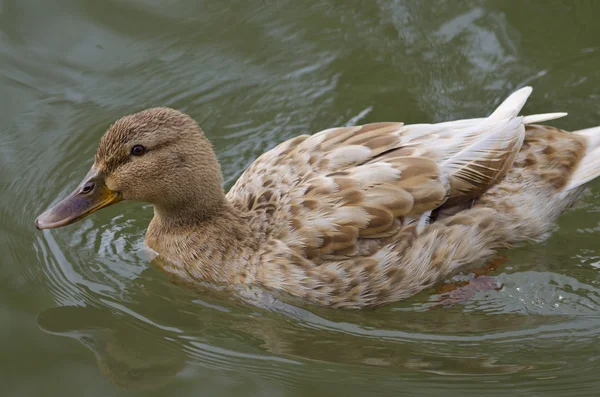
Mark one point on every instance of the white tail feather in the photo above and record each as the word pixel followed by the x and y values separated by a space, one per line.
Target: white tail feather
pixel 592 136
pixel 589 166
pixel 512 105
pixel 538 118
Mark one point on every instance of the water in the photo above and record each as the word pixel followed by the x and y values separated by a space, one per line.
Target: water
pixel 83 313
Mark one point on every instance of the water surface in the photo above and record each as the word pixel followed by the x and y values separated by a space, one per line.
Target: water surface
pixel 84 313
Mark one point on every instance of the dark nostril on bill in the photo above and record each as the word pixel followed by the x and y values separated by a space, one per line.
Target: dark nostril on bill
pixel 88 187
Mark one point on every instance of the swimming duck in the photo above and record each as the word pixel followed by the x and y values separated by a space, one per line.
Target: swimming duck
pixel 349 217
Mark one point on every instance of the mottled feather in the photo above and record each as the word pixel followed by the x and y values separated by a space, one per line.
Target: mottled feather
pixel 354 196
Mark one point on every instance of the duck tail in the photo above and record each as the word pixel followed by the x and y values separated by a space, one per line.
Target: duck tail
pixel 512 105
pixel 491 147
pixel 589 165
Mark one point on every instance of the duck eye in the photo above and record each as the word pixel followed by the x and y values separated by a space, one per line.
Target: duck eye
pixel 138 150
pixel 88 187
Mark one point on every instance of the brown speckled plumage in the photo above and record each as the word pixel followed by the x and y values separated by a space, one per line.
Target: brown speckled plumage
pixel 350 217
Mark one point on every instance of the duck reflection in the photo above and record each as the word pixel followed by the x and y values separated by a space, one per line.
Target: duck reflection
pixel 257 332
pixel 131 358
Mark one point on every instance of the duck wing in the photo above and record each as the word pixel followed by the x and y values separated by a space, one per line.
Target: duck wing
pixel 334 190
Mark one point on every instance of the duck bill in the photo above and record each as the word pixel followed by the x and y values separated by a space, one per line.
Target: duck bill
pixel 90 196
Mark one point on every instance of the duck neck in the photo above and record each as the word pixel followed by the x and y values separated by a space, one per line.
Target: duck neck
pixel 202 245
pixel 177 217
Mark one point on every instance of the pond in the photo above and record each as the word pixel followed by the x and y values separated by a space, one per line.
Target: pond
pixel 84 313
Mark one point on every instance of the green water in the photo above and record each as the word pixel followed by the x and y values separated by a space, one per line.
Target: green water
pixel 82 313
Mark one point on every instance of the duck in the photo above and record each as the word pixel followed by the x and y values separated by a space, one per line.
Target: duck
pixel 349 217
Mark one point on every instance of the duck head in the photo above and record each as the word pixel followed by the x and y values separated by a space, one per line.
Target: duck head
pixel 158 156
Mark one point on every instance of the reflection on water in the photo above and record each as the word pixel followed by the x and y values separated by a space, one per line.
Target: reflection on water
pixel 129 357
pixel 138 353
pixel 254 74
